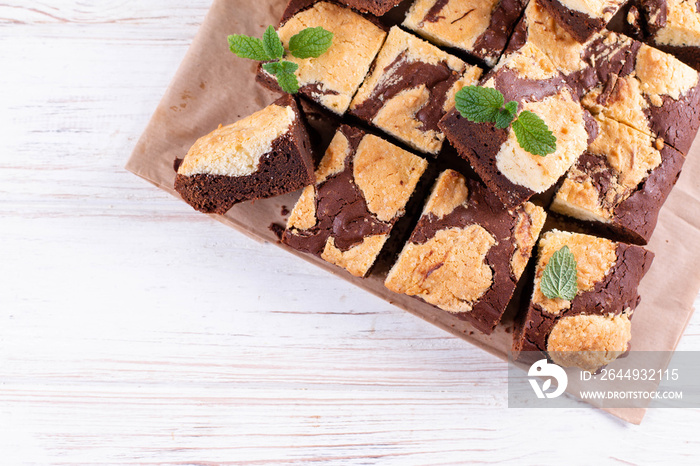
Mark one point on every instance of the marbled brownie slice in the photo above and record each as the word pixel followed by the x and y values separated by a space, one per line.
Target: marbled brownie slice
pixel 376 7
pixel 672 26
pixel 411 87
pixel 621 181
pixel 619 77
pixel 333 78
pixel 467 252
pixel 594 328
pixel 362 186
pixel 528 77
pixel 479 27
pixel 263 155
pixel 654 93
pixel 585 66
pixel 583 18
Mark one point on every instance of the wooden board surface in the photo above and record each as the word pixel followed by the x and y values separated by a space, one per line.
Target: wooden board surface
pixel 118 342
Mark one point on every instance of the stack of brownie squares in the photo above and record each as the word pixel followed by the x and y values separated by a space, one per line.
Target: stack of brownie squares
pixel 624 114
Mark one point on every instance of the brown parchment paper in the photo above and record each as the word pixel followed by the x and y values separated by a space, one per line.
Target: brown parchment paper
pixel 213 86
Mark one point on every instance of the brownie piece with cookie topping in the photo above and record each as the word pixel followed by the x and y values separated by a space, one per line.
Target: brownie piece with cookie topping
pixel 528 77
pixel 593 328
pixel 672 26
pixel 621 182
pixel 467 252
pixel 263 155
pixel 411 87
pixel 619 77
pixel 654 93
pixel 363 184
pixel 332 79
pixel 585 66
pixel 376 7
pixel 583 18
pixel 479 27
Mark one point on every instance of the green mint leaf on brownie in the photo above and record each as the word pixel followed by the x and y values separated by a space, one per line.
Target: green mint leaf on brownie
pixel 533 135
pixel 311 42
pixel 288 66
pixel 479 104
pixel 288 82
pixel 278 67
pixel 504 118
pixel 272 44
pixel 559 279
pixel 248 47
pixel 273 67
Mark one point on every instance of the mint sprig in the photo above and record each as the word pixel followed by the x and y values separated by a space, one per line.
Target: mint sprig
pixel 560 277
pixel 309 43
pixel 487 105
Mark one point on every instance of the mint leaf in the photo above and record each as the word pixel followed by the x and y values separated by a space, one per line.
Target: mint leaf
pixel 479 104
pixel 288 82
pixel 559 279
pixel 248 47
pixel 279 67
pixel 272 44
pixel 533 134
pixel 272 67
pixel 288 67
pixel 311 42
pixel 504 117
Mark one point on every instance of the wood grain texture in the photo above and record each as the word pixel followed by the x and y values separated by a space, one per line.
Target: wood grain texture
pixel 118 342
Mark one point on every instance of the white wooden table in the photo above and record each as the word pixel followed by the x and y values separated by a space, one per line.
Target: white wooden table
pixel 117 342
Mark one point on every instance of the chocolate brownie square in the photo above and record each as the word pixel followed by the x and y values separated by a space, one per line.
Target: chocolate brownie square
pixel 263 155
pixel 583 18
pixel 363 184
pixel 585 66
pixel 672 26
pixel 467 252
pixel 621 182
pixel 620 77
pixel 376 7
pixel 654 93
pixel 593 328
pixel 528 77
pixel 332 79
pixel 479 27
pixel 410 88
